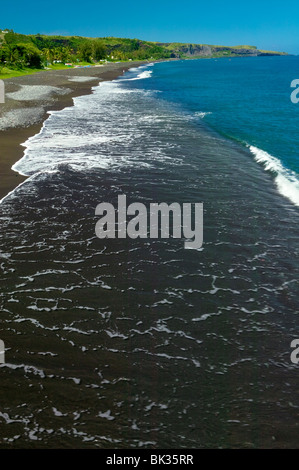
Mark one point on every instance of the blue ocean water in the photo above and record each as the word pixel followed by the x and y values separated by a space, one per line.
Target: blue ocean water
pixel 246 99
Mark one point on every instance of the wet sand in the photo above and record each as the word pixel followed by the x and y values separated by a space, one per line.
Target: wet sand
pixel 25 109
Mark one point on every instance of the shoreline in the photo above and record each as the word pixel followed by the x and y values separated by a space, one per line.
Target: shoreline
pixel 58 93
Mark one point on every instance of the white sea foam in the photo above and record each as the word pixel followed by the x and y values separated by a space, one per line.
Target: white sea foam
pixel 141 76
pixel 202 114
pixel 106 415
pixel 286 180
pixel 27 369
pixel 82 136
pixel 134 69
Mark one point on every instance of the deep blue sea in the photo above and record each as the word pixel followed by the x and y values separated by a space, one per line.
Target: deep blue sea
pixel 141 343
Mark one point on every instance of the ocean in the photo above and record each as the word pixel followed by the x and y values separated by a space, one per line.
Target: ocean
pixel 141 343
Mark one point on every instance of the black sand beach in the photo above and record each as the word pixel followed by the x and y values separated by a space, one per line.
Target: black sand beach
pixel 25 108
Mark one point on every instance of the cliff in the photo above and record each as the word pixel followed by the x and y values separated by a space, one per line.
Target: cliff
pixel 181 50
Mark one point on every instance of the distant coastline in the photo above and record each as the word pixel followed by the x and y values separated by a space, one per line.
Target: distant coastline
pixel 23 54
pixel 51 64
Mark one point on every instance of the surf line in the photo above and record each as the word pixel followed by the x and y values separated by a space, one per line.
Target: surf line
pixel 152 224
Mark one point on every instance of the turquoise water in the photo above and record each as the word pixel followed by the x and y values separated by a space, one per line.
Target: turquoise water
pixel 246 99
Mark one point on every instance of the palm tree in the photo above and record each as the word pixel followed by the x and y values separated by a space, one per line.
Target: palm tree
pixel 48 53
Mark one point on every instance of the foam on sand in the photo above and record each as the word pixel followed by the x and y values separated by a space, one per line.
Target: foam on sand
pixel 78 78
pixel 36 92
pixel 24 117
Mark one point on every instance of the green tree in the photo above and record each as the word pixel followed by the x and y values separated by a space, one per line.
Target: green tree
pixel 49 54
pixel 30 54
pixel 85 51
pixel 22 55
pixel 98 50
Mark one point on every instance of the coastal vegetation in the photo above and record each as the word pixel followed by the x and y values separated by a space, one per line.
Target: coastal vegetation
pixel 22 54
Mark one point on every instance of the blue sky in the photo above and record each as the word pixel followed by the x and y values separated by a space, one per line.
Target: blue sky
pixel 267 24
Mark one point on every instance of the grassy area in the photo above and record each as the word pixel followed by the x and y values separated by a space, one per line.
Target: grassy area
pixel 6 72
pixel 236 47
pixel 272 52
